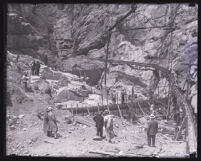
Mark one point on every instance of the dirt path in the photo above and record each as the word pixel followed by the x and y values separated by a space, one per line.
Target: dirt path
pixel 78 140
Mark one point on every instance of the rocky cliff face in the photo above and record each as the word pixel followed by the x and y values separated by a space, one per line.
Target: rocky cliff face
pixel 72 34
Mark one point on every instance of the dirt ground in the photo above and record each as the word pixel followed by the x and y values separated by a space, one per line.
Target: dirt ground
pixel 77 140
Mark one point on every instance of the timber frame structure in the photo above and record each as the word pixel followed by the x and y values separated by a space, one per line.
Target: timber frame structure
pixel 191 139
pixel 173 87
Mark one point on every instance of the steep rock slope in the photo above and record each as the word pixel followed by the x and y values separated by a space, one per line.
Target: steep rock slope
pixel 73 33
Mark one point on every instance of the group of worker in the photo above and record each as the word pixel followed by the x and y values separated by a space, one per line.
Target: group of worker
pixel 125 97
pixel 35 67
pixel 102 120
pixel 105 119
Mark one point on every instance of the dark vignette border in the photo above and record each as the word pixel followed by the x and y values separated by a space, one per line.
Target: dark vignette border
pixel 3 14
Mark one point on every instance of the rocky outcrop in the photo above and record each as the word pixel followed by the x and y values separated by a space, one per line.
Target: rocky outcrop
pixel 21 36
pixel 80 62
pixel 78 32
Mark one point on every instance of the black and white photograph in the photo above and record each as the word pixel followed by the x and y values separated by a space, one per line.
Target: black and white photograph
pixel 101 80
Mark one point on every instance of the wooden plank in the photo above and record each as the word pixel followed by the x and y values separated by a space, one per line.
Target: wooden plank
pixel 76 109
pixel 141 109
pixel 103 153
pixel 98 108
pixel 83 121
pixel 180 129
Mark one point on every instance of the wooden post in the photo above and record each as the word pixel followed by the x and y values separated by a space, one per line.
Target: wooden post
pixel 102 97
pixel 71 107
pixel 82 112
pixel 108 108
pixel 119 111
pixel 88 110
pixel 76 109
pixel 107 53
pixel 125 97
pixel 93 110
pixel 107 95
pixel 66 107
pixel 141 109
pixel 169 99
pixel 98 108
pixel 117 98
pixel 72 112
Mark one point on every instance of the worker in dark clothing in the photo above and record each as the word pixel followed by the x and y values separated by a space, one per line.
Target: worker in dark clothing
pixel 45 59
pixel 152 130
pixel 122 97
pixel 37 67
pixel 132 92
pixel 98 118
pixel 33 67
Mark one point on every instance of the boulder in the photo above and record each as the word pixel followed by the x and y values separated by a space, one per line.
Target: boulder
pixel 43 86
pixel 64 94
pixel 96 53
pixel 17 94
pixel 46 73
pixel 64 81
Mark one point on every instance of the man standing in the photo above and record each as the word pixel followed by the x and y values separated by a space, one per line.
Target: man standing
pixel 50 123
pixel 98 118
pixel 37 67
pixel 45 60
pixel 132 92
pixel 25 79
pixel 108 123
pixel 33 67
pixel 152 130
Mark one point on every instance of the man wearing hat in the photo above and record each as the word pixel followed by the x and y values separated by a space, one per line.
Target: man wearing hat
pixel 108 123
pixel 152 130
pixel 98 118
pixel 50 123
